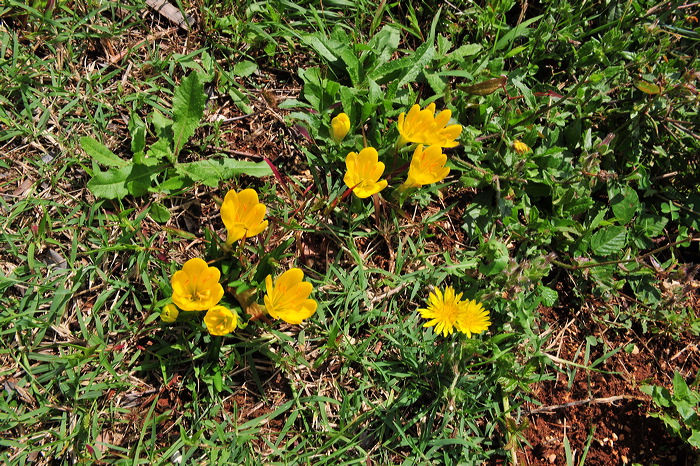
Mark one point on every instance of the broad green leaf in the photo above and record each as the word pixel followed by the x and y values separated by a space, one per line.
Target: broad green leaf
pixel 681 392
pixel 159 213
pixel 548 296
pixel 466 50
pixel 609 240
pixel 117 183
pixel 211 172
pixel 244 68
pixel 188 107
pixel 161 150
pixel 385 43
pixel 625 204
pixel 101 154
pixel 137 130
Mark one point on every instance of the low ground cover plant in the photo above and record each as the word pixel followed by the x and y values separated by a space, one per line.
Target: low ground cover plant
pixel 385 233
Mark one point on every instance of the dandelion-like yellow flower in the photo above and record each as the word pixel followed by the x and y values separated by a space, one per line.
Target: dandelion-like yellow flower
pixel 427 167
pixel 448 311
pixel 520 147
pixel 196 287
pixel 423 127
pixel 169 313
pixel 288 299
pixel 363 172
pixel 242 215
pixel 443 309
pixel 220 320
pixel 472 318
pixel 340 125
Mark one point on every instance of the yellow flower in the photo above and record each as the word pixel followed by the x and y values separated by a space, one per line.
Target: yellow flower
pixel 340 125
pixel 472 318
pixel 443 309
pixel 288 299
pixel 448 312
pixel 220 320
pixel 427 166
pixel 364 170
pixel 520 147
pixel 169 313
pixel 423 127
pixel 242 215
pixel 196 287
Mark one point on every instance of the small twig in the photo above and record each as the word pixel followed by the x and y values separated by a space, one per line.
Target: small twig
pixel 610 399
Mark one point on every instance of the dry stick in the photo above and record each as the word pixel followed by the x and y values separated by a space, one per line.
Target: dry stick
pixel 610 399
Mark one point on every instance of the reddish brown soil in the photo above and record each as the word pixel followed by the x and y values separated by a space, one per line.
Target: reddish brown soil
pixel 616 418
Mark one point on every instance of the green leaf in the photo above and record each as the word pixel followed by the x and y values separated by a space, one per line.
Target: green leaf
pixel 419 60
pixel 609 240
pixel 647 87
pixel 117 183
pixel 137 129
pixel 188 107
pixel 101 154
pixel 625 204
pixel 159 213
pixel 548 296
pixel 161 150
pixel 680 389
pixel 244 68
pixel 211 172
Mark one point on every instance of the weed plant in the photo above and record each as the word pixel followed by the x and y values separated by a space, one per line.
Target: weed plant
pixel 574 180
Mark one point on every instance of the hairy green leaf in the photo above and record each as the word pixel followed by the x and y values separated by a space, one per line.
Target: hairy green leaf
pixel 211 172
pixel 188 108
pixel 100 153
pixel 609 240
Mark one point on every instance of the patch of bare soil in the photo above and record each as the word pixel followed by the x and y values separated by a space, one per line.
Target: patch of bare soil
pixel 606 406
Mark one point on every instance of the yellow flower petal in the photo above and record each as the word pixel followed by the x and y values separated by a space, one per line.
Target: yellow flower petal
pixel 340 125
pixel 196 287
pixel 472 318
pixel 220 320
pixel 169 313
pixel 243 215
pixel 363 172
pixel 427 167
pixel 423 127
pixel 288 298
pixel 448 312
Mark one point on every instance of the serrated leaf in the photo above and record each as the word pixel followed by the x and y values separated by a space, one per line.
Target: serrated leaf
pixel 188 107
pixel 160 150
pixel 244 68
pixel 117 183
pixel 465 51
pixel 625 204
pixel 101 154
pixel 211 172
pixel 420 60
pixel 548 296
pixel 609 240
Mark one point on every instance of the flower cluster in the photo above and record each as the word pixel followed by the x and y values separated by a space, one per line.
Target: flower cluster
pixel 429 132
pixel 448 311
pixel 197 287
